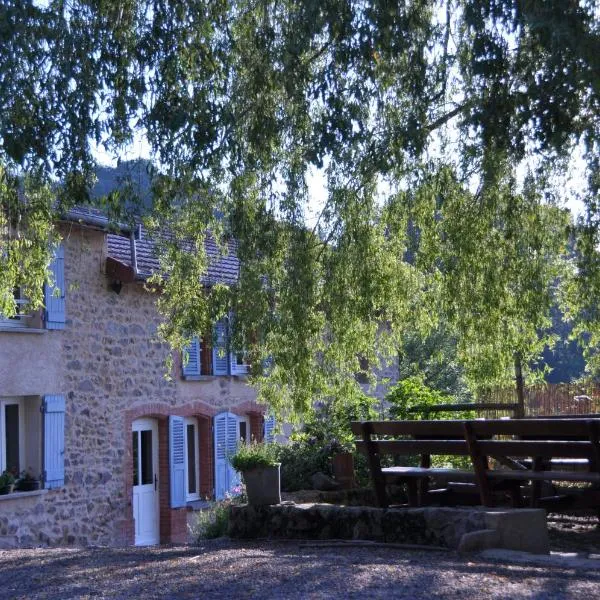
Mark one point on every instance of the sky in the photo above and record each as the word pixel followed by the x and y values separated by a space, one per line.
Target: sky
pixel 571 184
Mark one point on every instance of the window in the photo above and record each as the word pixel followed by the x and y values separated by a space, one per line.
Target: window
pixel 54 301
pixel 32 437
pixel 21 318
pixel 192 460
pixel 239 363
pixel 244 432
pixel 212 355
pixel 12 433
pixel 20 435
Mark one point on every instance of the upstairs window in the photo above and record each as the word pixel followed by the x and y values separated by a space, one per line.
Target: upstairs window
pixel 20 318
pixel 54 316
pixel 212 355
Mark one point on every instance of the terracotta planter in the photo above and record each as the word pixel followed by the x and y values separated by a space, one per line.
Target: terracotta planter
pixel 343 469
pixel 263 485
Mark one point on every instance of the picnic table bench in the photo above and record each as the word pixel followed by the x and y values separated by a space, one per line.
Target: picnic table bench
pixel 505 440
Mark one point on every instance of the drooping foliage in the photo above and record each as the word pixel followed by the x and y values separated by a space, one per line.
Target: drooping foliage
pixel 416 113
pixel 413 393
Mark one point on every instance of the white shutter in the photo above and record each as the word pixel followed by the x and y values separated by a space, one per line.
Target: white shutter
pixel 54 441
pixel 177 460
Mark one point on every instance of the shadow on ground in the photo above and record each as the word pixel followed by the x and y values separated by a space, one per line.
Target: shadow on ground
pixel 222 568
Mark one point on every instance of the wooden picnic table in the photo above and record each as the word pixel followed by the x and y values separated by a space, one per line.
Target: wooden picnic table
pixel 506 440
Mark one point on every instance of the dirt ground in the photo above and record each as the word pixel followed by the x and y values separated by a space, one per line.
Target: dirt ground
pixel 303 570
pixel 574 533
pixel 281 570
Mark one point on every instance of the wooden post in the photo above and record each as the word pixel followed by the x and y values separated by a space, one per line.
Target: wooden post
pixel 424 483
pixel 595 454
pixel 480 465
pixel 375 466
pixel 520 383
pixel 536 486
pixel 594 437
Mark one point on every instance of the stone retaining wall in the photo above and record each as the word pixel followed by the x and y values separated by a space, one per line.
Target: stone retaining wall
pixel 464 529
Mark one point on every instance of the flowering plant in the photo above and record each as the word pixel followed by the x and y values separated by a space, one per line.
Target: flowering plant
pixel 254 455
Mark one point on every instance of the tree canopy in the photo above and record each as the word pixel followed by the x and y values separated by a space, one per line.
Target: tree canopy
pixel 421 114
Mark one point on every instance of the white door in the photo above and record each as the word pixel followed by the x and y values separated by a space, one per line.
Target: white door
pixel 145 481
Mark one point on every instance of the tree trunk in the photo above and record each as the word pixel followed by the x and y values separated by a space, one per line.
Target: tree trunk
pixel 520 383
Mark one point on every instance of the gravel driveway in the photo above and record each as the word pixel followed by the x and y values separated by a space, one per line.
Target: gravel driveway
pixel 227 569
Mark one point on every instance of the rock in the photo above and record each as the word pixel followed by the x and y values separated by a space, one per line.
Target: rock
pixel 324 483
pixel 479 540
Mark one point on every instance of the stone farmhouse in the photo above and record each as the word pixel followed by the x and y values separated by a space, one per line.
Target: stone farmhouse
pixel 122 452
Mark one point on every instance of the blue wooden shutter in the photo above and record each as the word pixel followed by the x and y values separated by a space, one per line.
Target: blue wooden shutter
pixel 269 426
pixel 220 348
pixel 177 460
pixel 192 367
pixel 238 368
pixel 226 440
pixel 54 441
pixel 233 438
pixel 221 462
pixel 235 367
pixel 54 295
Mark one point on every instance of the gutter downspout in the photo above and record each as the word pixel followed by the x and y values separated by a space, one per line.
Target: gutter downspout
pixel 134 255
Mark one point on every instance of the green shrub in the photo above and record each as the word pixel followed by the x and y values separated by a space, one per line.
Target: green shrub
pixel 326 432
pixel 253 455
pixel 299 460
pixel 362 473
pixel 213 522
pixel 412 392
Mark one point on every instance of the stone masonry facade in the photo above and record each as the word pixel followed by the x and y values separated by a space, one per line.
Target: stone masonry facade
pixel 110 368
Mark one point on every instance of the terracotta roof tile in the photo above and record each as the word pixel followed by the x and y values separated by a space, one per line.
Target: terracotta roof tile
pixel 223 267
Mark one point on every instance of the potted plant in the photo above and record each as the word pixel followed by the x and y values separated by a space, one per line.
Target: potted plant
pixel 261 472
pixel 7 482
pixel 342 465
pixel 27 482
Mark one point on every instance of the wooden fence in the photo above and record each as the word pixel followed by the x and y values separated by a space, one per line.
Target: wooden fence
pixel 549 399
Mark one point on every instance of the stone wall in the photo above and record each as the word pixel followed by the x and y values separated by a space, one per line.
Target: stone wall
pixel 110 367
pixel 465 529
